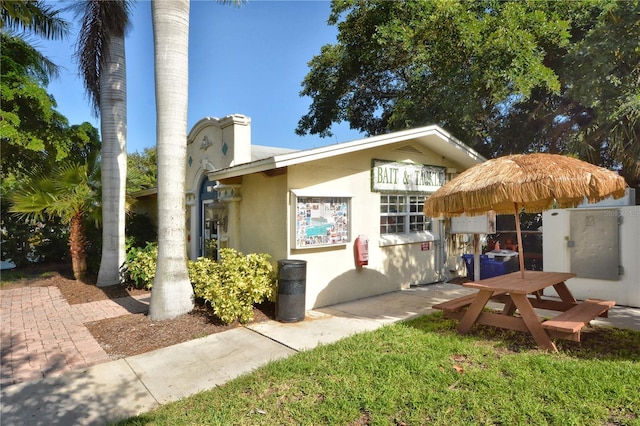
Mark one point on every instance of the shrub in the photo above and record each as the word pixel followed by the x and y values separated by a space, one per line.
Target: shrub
pixel 233 285
pixel 139 268
pixel 27 242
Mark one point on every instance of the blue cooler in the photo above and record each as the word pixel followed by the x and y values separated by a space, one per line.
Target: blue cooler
pixel 508 257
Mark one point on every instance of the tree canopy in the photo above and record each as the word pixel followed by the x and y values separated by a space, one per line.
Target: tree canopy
pixel 40 151
pixel 503 76
pixel 31 129
pixel 142 170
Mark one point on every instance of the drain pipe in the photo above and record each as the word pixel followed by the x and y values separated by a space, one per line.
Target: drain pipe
pixel 443 273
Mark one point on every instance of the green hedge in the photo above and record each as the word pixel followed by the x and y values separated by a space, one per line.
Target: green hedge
pixel 231 286
pixel 139 269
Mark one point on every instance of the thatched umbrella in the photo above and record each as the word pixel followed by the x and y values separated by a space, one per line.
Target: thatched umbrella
pixel 529 182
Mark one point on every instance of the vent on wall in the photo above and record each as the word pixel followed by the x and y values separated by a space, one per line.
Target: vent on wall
pixel 409 148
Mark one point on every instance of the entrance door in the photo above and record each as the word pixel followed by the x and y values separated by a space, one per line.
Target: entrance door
pixel 207 227
pixel 209 238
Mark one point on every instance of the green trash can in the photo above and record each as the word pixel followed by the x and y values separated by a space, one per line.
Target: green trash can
pixel 292 283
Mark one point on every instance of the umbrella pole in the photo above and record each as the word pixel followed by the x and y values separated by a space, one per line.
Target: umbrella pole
pixel 519 235
pixel 476 257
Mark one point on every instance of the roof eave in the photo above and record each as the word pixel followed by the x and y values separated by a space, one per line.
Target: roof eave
pixel 464 155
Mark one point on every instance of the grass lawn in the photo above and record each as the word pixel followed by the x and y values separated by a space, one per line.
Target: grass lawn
pixel 422 372
pixel 10 276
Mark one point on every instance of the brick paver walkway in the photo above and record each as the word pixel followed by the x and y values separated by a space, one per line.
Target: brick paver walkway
pixel 42 335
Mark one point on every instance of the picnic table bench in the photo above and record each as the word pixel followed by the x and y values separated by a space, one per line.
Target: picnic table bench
pixel 455 308
pixel 570 322
pixel 523 294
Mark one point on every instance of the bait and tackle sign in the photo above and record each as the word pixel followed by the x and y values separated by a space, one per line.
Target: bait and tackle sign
pixel 406 177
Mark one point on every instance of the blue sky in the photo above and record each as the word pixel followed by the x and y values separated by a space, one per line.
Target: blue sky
pixel 248 60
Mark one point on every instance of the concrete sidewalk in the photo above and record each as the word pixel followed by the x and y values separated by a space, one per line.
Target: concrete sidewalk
pixel 106 392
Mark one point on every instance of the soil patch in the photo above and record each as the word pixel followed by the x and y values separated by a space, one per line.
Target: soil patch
pixel 135 334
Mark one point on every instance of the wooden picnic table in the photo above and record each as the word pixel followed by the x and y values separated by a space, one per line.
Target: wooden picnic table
pixel 523 295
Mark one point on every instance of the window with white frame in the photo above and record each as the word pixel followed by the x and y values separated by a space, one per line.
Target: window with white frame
pixel 402 214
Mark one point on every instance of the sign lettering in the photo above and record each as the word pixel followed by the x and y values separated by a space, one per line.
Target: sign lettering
pixel 409 177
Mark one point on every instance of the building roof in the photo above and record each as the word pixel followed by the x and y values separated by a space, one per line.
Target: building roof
pixel 265 158
pixel 432 137
pixel 259 152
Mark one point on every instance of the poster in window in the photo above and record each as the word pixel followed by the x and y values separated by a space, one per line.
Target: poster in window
pixel 321 221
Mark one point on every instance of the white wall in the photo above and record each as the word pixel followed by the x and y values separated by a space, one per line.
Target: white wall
pixel 332 275
pixel 265 226
pixel 625 291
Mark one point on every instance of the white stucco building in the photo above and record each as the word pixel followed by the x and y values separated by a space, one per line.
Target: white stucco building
pixel 313 204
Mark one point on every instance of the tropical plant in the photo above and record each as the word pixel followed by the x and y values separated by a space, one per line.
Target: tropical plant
pixel 25 241
pixel 33 134
pixel 142 170
pixel 139 269
pixel 69 193
pixel 22 64
pixel 233 284
pixel 603 74
pixel 172 293
pixel 37 142
pixel 101 53
pixel 34 17
pixel 140 230
pixel 29 123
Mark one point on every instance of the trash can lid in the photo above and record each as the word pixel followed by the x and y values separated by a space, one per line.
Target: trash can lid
pixel 292 262
pixel 505 253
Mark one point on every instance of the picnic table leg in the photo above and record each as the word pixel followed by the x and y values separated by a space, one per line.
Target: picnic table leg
pixel 473 311
pixel 564 293
pixel 533 323
pixel 509 308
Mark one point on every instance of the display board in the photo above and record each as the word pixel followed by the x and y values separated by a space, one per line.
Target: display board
pixel 321 221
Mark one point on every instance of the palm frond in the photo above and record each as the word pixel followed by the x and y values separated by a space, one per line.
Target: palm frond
pixel 63 192
pixel 33 17
pixel 25 58
pixel 33 197
pixel 100 20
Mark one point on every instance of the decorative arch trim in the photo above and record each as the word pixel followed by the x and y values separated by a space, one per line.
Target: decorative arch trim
pixel 220 123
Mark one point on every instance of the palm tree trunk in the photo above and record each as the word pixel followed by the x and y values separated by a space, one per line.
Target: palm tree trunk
pixel 77 247
pixel 172 294
pixel 113 107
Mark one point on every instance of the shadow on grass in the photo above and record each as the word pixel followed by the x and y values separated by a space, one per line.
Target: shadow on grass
pixel 597 342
